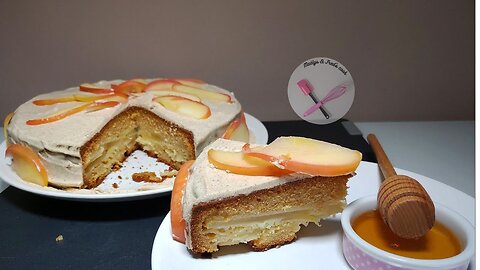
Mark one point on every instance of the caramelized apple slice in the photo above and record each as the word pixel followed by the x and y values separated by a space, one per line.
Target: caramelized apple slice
pixel 238 130
pixel 238 163
pixel 190 82
pixel 129 87
pixel 176 212
pixel 51 101
pixel 75 97
pixel 308 156
pixel 116 97
pixel 97 106
pixel 90 98
pixel 91 88
pixel 5 125
pixel 184 106
pixel 202 93
pixel 27 164
pixel 58 115
pixel 162 84
pixel 161 93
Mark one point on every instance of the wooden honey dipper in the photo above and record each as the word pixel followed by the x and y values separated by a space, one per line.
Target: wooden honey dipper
pixel 403 203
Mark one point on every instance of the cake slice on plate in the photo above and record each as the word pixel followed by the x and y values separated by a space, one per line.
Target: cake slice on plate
pixel 237 193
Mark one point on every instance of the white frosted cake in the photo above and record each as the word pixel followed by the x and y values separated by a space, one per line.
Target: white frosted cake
pixel 230 196
pixel 172 120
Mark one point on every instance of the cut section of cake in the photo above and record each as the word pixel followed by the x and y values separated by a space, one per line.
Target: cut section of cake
pixel 82 133
pixel 232 196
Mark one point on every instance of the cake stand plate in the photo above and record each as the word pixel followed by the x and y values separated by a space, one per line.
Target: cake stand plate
pixel 315 248
pixel 125 188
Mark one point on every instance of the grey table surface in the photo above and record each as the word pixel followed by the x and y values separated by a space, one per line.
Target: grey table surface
pixel 444 150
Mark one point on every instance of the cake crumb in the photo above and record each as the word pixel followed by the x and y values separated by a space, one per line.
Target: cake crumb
pixel 119 177
pixel 152 176
pixel 147 177
pixel 115 185
pixel 59 238
pixel 116 167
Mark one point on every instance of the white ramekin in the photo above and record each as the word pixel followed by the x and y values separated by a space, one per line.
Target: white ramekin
pixel 363 256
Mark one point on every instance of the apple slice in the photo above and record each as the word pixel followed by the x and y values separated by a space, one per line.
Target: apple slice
pixel 161 93
pixel 97 106
pixel 176 212
pixel 122 98
pixel 59 115
pixel 27 164
pixel 75 97
pixel 5 125
pixel 184 106
pixel 91 88
pixel 238 163
pixel 238 130
pixel 85 98
pixel 129 87
pixel 308 156
pixel 162 84
pixel 190 82
pixel 202 93
pixel 51 101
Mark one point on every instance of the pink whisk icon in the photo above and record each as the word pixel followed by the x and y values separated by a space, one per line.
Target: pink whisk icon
pixel 335 93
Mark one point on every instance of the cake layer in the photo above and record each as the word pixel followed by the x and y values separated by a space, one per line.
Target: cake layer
pixel 59 143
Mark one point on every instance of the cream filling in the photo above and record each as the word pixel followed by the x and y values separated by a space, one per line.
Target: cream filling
pixel 242 229
pixel 264 220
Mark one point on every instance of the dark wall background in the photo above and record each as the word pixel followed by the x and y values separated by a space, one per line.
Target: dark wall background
pixel 410 59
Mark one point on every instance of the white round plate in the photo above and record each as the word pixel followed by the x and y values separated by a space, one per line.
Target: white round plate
pixel 315 248
pixel 127 189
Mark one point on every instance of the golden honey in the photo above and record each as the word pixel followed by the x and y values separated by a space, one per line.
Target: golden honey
pixel 438 243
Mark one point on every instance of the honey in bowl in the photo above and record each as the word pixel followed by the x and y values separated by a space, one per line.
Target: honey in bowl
pixel 438 243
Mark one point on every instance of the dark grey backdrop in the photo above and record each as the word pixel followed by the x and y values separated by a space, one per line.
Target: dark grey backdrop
pixel 410 59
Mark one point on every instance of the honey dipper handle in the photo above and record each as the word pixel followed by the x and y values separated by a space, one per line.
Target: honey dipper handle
pixel 382 159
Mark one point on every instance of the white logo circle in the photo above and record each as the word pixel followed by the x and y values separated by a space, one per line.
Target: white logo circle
pixel 321 90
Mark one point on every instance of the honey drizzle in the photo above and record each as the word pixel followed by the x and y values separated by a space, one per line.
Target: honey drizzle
pixel 438 243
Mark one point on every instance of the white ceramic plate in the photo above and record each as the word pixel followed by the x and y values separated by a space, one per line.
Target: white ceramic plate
pixel 127 189
pixel 315 248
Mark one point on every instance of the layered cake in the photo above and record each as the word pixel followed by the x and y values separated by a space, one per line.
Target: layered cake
pixel 260 195
pixel 80 134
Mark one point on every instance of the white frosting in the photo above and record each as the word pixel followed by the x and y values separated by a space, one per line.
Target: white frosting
pixel 59 142
pixel 207 183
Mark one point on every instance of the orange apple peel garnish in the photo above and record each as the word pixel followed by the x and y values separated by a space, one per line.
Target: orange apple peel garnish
pixel 5 125
pixel 238 130
pixel 129 87
pixel 91 106
pixel 176 212
pixel 91 88
pixel 27 164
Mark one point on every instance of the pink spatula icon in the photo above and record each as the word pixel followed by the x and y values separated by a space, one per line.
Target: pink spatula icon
pixel 307 90
pixel 336 92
